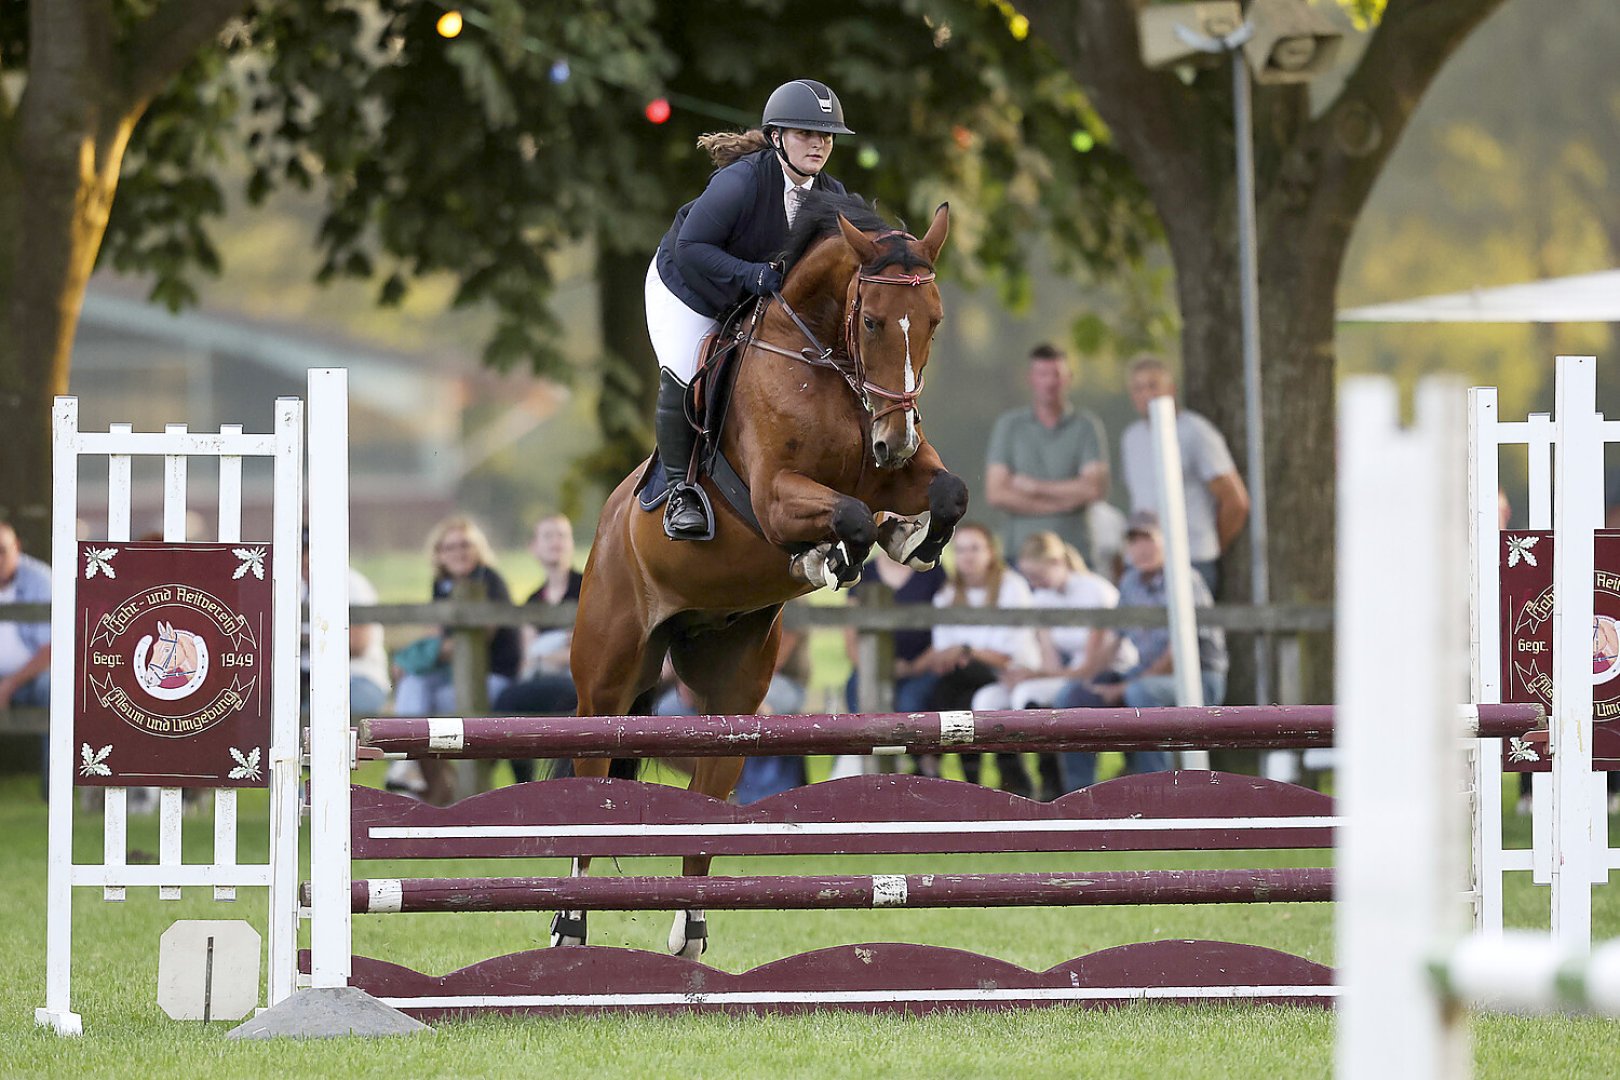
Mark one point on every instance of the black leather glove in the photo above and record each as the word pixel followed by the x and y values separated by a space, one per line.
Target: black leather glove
pixel 764 279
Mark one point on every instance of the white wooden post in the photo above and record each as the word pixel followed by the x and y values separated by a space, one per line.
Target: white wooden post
pixel 1579 857
pixel 1177 564
pixel 1540 435
pixel 58 1012
pixel 1400 648
pixel 1485 652
pixel 330 755
pixel 286 758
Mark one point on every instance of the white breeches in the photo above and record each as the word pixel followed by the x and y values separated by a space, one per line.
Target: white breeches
pixel 676 330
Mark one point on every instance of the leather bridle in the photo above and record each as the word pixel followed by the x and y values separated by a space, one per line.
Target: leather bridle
pixel 852 366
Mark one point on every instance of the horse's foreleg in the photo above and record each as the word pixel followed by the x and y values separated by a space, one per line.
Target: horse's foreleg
pixel 921 503
pixel 689 933
pixel 568 927
pixel 799 510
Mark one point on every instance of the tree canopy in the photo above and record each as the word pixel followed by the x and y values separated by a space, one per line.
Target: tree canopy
pixel 479 155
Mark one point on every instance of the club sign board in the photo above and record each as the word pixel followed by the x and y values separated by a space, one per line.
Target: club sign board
pixel 172 647
pixel 1525 560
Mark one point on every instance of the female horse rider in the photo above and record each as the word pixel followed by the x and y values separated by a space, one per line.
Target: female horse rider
pixel 717 253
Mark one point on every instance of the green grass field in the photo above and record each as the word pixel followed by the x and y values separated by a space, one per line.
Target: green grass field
pixel 116 972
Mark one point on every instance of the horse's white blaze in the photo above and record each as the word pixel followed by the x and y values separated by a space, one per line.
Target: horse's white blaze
pixel 911 380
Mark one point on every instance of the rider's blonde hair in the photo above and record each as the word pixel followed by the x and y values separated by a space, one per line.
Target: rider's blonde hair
pixel 724 147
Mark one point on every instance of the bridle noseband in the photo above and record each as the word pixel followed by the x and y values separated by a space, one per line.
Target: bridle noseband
pixel 852 366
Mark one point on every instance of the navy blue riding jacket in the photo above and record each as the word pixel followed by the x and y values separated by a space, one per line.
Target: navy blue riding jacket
pixel 719 238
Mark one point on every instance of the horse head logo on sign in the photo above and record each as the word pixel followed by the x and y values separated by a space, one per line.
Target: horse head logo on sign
pixel 174 666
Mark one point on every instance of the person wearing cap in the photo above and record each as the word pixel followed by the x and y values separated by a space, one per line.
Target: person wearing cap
pixel 1216 497
pixel 717 253
pixel 1150 682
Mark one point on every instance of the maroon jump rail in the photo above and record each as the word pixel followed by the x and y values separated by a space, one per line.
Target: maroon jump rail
pixel 812 893
pixel 1241 727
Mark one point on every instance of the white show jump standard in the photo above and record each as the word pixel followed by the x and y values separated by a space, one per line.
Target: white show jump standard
pixel 278 873
pixel 1409 975
pixel 1570 847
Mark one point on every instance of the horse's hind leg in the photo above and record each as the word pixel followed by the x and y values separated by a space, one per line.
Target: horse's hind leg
pixel 615 662
pixel 728 671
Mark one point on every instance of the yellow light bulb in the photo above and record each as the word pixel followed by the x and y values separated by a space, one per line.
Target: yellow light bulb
pixel 449 24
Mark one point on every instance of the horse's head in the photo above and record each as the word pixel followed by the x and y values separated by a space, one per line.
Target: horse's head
pixel 890 315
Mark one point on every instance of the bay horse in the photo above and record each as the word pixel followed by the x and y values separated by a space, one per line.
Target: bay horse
pixel 830 445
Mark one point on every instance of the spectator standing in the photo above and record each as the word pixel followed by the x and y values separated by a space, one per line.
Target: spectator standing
pixel 1150 682
pixel 546 687
pixel 459 553
pixel 1217 499
pixel 25 648
pixel 969 657
pixel 1048 463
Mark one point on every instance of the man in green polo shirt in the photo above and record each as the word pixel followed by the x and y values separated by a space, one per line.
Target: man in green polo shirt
pixel 1049 462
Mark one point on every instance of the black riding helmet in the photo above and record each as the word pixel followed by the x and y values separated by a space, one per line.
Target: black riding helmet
pixel 807 105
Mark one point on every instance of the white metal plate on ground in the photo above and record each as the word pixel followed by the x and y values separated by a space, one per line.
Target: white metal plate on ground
pixel 208 969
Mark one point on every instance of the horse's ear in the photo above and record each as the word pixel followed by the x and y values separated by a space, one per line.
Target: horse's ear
pixel 935 240
pixel 865 249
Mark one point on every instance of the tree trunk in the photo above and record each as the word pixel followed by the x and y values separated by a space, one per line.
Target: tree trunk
pixel 91 72
pixel 1298 281
pixel 65 146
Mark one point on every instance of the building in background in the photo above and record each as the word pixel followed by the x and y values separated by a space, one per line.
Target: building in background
pixel 420 425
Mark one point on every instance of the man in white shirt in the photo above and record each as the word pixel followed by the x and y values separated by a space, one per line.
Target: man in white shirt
pixel 1217 498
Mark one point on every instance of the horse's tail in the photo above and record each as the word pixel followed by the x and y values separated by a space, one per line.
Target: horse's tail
pixel 620 768
pixel 630 768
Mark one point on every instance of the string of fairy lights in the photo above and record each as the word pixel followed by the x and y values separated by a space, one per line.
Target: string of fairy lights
pixel 660 109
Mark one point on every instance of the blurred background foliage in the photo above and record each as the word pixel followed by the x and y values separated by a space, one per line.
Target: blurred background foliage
pixel 352 145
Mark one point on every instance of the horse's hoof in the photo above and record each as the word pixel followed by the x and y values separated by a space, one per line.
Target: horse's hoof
pixel 568 928
pixel 688 937
pixel 823 566
pixel 900 537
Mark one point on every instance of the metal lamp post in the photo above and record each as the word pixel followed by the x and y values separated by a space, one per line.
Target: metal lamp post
pixel 1249 284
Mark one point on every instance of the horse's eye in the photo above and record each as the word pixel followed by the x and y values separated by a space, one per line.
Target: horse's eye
pixel 871 324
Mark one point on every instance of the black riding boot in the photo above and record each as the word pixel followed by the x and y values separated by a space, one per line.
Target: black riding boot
pixel 686 515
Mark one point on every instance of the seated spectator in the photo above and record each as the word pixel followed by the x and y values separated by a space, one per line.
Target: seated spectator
pixel 459 553
pixel 368 660
pixel 1058 578
pixel 546 687
pixel 25 648
pixel 912 683
pixel 968 657
pixel 1150 682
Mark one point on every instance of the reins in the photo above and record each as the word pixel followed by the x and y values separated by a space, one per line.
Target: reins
pixel 852 366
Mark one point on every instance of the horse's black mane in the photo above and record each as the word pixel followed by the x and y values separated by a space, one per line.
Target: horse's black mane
pixel 817 217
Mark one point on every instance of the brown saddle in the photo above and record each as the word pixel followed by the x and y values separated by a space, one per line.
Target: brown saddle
pixel 710 397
